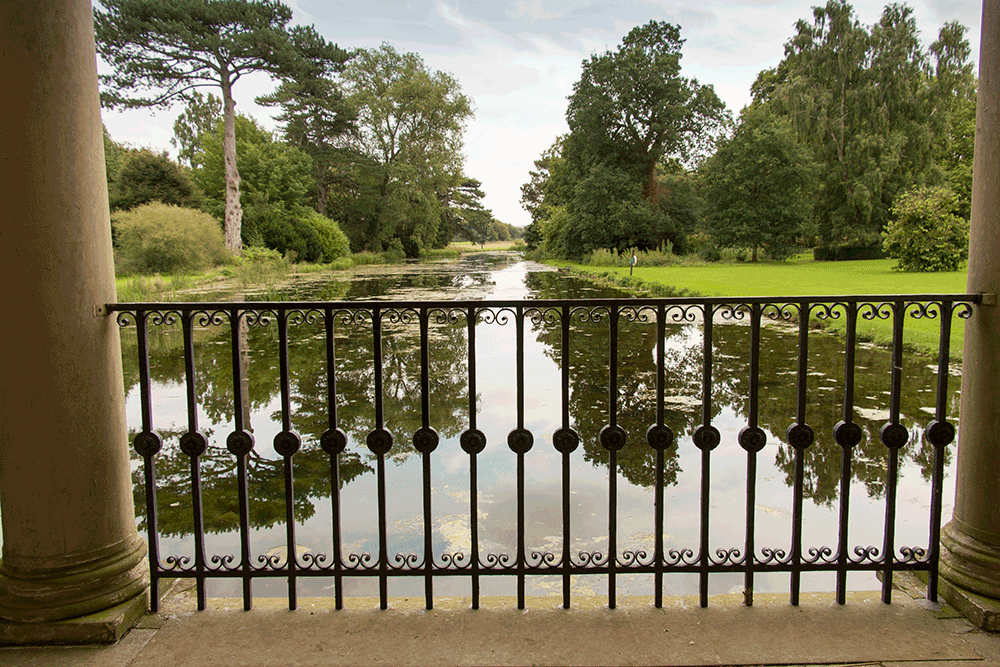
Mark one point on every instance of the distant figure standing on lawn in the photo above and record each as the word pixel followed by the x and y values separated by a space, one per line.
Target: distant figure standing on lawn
pixel 631 264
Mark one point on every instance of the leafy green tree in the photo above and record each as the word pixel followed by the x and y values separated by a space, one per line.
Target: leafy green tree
pixel 761 185
pixel 862 100
pixel 631 115
pixel 201 115
pixel 317 120
pixel 173 48
pixel 146 176
pixel 410 123
pixel 633 108
pixel 925 234
pixel 277 180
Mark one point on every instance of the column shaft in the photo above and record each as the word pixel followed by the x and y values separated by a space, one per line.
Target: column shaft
pixel 970 558
pixel 70 545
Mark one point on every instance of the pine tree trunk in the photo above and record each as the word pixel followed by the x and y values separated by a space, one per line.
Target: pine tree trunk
pixel 234 212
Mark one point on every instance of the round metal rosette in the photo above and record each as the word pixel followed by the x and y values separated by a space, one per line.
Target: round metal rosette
pixel 425 440
pixel 472 441
pixel 333 441
pixel 894 436
pixel 707 438
pixel 287 443
pixel 752 439
pixel 660 438
pixel 379 441
pixel 566 440
pixel 193 443
pixel 612 437
pixel 939 433
pixel 520 440
pixel 147 443
pixel 800 436
pixel 848 434
pixel 240 443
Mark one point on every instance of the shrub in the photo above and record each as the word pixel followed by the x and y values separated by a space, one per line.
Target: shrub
pixel 158 238
pixel 925 234
pixel 331 237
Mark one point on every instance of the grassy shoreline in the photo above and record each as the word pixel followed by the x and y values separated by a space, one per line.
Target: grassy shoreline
pixel 800 277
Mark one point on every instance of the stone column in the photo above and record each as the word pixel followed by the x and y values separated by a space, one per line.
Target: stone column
pixel 970 558
pixel 70 546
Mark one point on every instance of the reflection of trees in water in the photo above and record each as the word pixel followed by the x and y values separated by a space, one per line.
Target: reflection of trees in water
pixel 309 413
pixel 589 410
pixel 731 389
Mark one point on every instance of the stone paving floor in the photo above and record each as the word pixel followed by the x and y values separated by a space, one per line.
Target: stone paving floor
pixel 911 632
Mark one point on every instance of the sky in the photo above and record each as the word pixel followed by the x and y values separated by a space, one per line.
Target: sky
pixel 518 62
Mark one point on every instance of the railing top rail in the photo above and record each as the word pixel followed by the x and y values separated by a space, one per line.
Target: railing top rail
pixel 542 303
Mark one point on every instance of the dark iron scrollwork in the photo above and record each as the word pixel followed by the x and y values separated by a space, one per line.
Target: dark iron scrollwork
pixel 612 437
pixel 566 440
pixel 660 437
pixel 472 441
pixel 894 436
pixel 194 443
pixel 287 443
pixel 707 438
pixel 752 439
pixel 240 443
pixel 520 440
pixel 425 440
pixel 333 441
pixel 848 434
pixel 147 443
pixel 379 442
pixel 800 436
pixel 939 433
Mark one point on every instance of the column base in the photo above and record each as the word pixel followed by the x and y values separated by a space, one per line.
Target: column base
pixel 103 627
pixel 970 575
pixel 33 592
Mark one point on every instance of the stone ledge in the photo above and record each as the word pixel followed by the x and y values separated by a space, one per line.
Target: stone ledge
pixel 103 627
pixel 983 612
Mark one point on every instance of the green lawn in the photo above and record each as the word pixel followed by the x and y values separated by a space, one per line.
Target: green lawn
pixel 805 277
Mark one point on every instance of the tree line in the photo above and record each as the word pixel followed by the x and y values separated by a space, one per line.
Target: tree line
pixel 860 136
pixel 369 144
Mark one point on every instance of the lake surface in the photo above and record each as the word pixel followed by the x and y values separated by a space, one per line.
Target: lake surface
pixel 507 276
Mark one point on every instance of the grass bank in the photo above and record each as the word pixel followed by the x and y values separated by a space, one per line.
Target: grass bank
pixel 801 276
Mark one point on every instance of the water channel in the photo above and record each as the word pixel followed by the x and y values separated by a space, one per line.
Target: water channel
pixel 507 276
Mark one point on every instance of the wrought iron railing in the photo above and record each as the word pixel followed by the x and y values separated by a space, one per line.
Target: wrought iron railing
pixel 702 559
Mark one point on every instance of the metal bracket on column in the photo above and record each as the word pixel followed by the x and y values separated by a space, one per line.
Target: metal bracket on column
pixel 102 310
pixel 988 299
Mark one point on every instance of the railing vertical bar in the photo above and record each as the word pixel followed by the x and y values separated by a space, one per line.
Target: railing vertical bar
pixel 566 553
pixel 331 403
pixel 192 414
pixel 383 540
pixel 425 409
pixel 291 557
pixel 704 558
pixel 613 457
pixel 940 417
pixel 749 548
pixel 148 467
pixel 889 548
pixel 520 458
pixel 471 316
pixel 661 335
pixel 847 445
pixel 236 323
pixel 800 420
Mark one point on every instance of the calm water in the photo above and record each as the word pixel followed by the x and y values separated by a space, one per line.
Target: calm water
pixel 502 276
